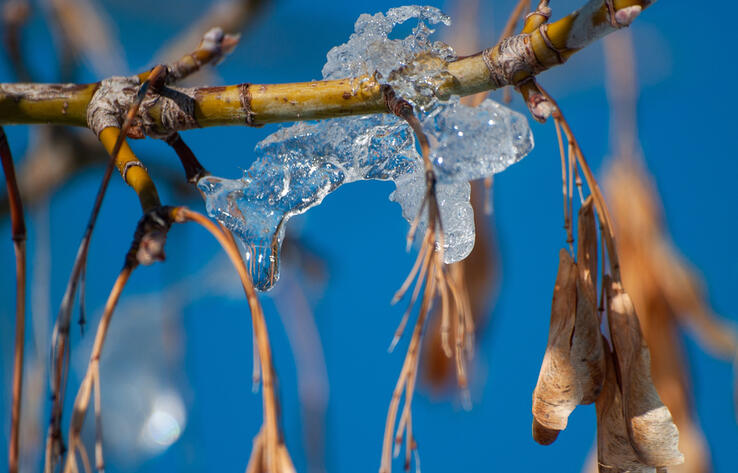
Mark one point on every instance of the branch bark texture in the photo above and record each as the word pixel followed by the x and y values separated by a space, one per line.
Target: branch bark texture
pixel 513 61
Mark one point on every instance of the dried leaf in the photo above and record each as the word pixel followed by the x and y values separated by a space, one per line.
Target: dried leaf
pixel 614 451
pixel 558 391
pixel 652 432
pixel 586 350
pixel 667 293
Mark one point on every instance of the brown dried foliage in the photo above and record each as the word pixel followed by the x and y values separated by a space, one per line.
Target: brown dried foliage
pixel 665 291
pixel 651 430
pixel 630 404
pixel 558 390
pixel 586 345
pixel 614 451
pixel 572 371
pixel 667 295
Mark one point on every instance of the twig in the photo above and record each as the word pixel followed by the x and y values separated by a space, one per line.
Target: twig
pixel 230 15
pixel 60 338
pixel 274 455
pixel 599 201
pixel 18 229
pixel 147 247
pixel 194 171
pixel 91 379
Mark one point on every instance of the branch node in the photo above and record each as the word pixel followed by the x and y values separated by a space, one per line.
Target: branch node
pixel 245 95
pixel 511 58
pixel 150 236
pixel 110 102
pixel 543 29
pixel 128 165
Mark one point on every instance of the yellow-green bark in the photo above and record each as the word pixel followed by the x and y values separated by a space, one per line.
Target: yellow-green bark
pixel 508 63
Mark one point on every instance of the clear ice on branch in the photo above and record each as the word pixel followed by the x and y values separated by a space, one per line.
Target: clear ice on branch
pixel 297 166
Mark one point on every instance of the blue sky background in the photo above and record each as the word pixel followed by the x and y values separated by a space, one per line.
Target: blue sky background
pixel 194 339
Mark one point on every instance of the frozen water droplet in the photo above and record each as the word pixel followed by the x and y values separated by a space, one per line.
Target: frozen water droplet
pixel 297 166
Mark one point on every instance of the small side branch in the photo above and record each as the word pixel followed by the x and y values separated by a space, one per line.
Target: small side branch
pixel 269 452
pixel 194 171
pixel 147 247
pixel 92 377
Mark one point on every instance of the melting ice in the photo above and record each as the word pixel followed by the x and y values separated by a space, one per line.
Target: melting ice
pixel 297 166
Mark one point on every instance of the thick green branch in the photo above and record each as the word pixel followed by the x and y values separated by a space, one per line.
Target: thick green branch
pixel 510 62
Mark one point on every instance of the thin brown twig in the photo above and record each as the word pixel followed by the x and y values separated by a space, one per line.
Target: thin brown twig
pixel 273 448
pixel 60 338
pixel 562 153
pixel 99 461
pixel 18 230
pixel 406 373
pixel 191 165
pixel 146 248
pixel 594 188
pixel 91 379
pixel 570 194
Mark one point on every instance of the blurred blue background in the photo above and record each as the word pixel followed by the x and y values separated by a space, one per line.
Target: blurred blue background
pixel 182 335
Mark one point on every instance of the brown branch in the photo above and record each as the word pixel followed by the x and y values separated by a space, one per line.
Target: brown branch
pixel 146 248
pixel 91 380
pixel 269 453
pixel 192 167
pixel 18 229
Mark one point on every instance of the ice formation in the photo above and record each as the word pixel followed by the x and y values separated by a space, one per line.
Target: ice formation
pixel 297 166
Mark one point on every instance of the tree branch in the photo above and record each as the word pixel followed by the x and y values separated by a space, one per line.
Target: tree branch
pixel 510 62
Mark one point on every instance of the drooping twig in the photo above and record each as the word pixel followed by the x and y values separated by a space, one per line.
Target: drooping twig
pixel 18 229
pixel 269 453
pixel 60 339
pixel 475 275
pixel 599 200
pixel 650 437
pixel 92 377
pixel 665 291
pixel 146 248
pixel 432 276
pixel 102 120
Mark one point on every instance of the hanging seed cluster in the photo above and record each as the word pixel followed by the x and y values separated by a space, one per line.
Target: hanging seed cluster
pixel 599 356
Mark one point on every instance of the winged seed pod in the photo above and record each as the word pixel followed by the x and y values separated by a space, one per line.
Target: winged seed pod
pixel 586 346
pixel 558 392
pixel 651 430
pixel 614 451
